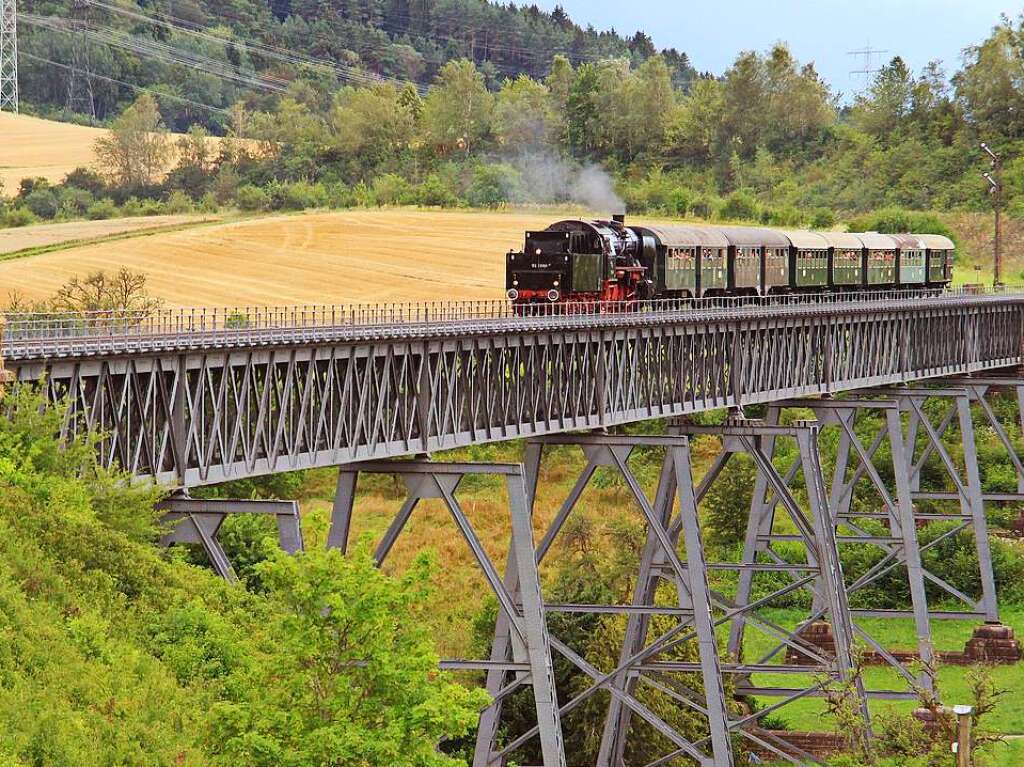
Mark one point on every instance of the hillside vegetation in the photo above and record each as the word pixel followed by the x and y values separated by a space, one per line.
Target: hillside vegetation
pixel 116 652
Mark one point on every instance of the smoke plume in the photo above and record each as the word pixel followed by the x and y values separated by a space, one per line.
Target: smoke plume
pixel 548 178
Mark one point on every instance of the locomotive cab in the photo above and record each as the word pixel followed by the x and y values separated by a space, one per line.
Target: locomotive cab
pixel 547 265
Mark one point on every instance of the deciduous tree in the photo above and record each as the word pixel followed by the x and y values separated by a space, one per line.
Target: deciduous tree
pixel 136 151
pixel 347 676
pixel 457 112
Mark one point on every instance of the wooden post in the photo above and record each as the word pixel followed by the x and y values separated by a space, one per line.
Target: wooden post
pixel 964 716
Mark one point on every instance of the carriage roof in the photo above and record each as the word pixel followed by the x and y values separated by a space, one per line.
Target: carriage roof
pixel 754 237
pixel 876 241
pixel 909 241
pixel 688 236
pixel 804 240
pixel 936 242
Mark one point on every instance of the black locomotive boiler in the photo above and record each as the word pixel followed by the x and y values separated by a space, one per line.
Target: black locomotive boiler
pixel 605 260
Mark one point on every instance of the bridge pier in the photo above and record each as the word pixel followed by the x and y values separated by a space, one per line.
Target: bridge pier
pixel 526 653
pixel 197 521
pixel 927 451
pixel 888 523
pixel 696 609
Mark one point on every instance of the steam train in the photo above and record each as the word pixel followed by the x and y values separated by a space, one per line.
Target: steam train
pixel 605 260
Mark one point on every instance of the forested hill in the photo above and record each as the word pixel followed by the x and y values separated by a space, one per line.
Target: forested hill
pixel 257 41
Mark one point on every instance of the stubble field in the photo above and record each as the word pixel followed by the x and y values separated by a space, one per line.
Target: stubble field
pixel 30 147
pixel 344 257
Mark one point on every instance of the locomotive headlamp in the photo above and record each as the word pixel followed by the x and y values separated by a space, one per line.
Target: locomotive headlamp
pixel 555 283
pixel 553 295
pixel 539 251
pixel 512 294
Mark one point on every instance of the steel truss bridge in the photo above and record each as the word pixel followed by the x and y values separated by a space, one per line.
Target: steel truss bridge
pixel 191 397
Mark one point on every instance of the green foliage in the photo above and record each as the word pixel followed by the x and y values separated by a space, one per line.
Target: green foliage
pixel 494 185
pixel 101 209
pixel 251 197
pixel 436 190
pixel 823 218
pixel 42 202
pixel 178 202
pixel 116 652
pixel 458 111
pixel 74 202
pixel 392 189
pixel 18 217
pixel 349 663
pixel 727 505
pixel 896 220
pixel 740 206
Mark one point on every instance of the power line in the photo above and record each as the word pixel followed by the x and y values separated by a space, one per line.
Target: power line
pixel 344 72
pixel 139 88
pixel 161 51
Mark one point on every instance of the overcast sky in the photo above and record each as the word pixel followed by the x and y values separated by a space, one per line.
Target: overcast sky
pixel 822 31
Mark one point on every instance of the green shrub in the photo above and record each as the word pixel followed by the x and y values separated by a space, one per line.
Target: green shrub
pixel 208 203
pixel 740 206
pixel 133 206
pixel 116 652
pixel 787 216
pixel 29 185
pixel 18 217
pixel 706 206
pixel 727 505
pixel 101 209
pixel 75 202
pixel 301 195
pixel 392 189
pixel 89 180
pixel 679 201
pixel 435 191
pixel 340 196
pixel 823 218
pixel 178 202
pixel 42 202
pixel 493 185
pixel 251 197
pixel 897 220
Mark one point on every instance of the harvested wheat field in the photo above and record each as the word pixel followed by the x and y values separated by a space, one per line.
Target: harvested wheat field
pixel 344 257
pixel 47 235
pixel 32 147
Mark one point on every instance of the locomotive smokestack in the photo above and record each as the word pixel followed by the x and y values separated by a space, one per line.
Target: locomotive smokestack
pixel 619 218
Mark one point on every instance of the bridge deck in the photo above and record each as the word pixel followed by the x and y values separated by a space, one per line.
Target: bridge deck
pixel 217 401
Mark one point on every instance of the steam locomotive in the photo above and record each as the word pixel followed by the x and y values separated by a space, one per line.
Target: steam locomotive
pixel 605 260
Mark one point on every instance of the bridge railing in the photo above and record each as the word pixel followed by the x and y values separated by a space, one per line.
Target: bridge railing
pixel 36 326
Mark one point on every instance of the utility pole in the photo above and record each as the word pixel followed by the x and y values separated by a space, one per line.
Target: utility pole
pixel 8 56
pixel 995 180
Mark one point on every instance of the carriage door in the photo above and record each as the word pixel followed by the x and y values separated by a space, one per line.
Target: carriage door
pixel 747 268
